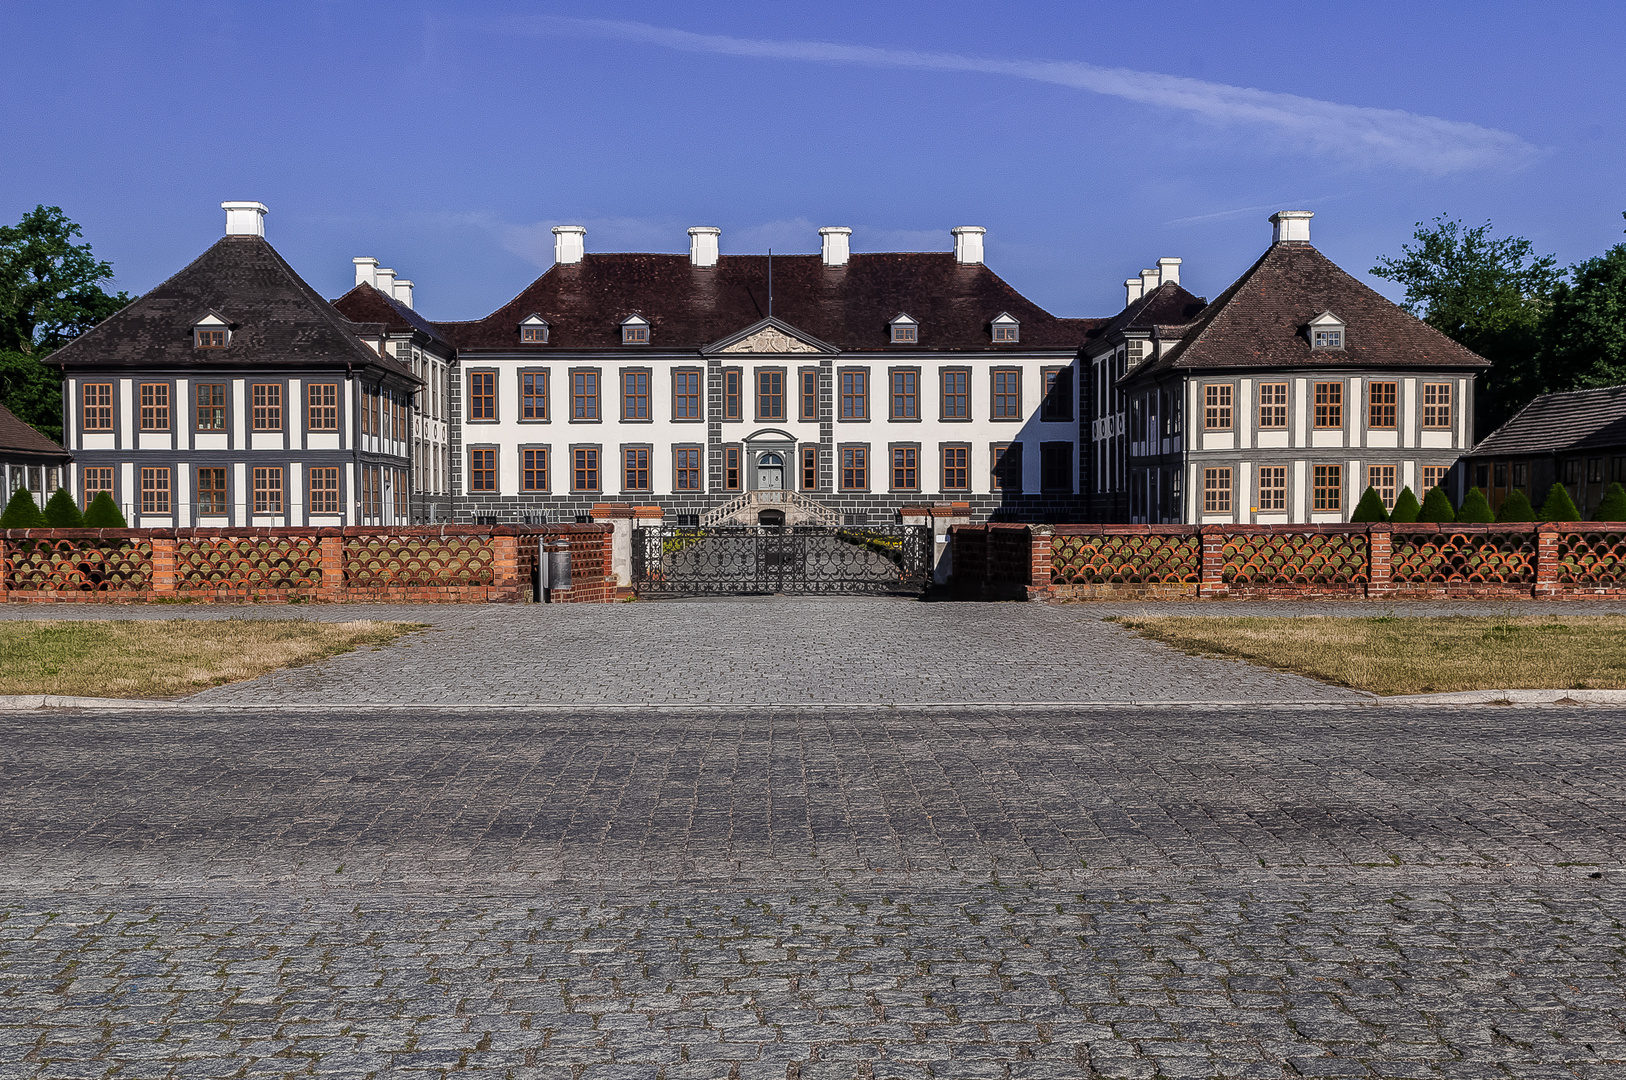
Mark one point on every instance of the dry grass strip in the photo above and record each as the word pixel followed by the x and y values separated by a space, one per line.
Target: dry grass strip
pixel 151 659
pixel 1417 655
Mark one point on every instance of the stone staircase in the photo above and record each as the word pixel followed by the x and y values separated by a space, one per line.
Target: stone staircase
pixel 798 509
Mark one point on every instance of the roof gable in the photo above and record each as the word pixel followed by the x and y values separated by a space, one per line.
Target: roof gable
pixel 769 336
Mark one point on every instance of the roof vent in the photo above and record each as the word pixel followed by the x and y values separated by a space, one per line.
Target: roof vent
pixel 968 244
pixel 837 245
pixel 569 244
pixel 403 291
pixel 365 269
pixel 1168 271
pixel 1290 226
pixel 703 241
pixel 244 218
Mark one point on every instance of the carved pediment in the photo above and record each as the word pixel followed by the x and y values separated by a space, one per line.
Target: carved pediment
pixel 771 339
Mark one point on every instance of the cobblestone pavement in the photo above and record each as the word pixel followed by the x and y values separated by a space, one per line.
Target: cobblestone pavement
pixel 823 893
pixel 775 650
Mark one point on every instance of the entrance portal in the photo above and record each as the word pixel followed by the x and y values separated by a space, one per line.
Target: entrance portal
pixel 770 473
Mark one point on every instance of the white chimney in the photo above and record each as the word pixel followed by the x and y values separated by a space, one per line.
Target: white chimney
pixel 569 244
pixel 1148 281
pixel 384 281
pixel 365 270
pixel 244 218
pixel 837 244
pixel 1132 290
pixel 968 244
pixel 1291 226
pixel 1168 271
pixel 703 241
pixel 403 291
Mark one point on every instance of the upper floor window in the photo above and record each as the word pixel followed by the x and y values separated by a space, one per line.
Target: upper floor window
pixel 533 330
pixel 905 395
pixel 635 395
pixel 770 394
pixel 1058 394
pixel 635 330
pixel 1436 405
pixel 322 406
pixel 1273 405
pixel 155 406
pixel 956 396
pixel 1329 404
pixel 1007 394
pixel 1380 404
pixel 1217 407
pixel 1327 331
pixel 98 406
pixel 1005 328
pixel 482 395
pixel 905 331
pixel 266 410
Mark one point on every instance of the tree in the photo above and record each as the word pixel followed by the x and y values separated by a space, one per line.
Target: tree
pixel 1584 335
pixel 1559 506
pixel 1486 293
pixel 103 513
pixel 22 512
pixel 62 513
pixel 1370 508
pixel 1613 507
pixel 1516 507
pixel 1475 510
pixel 1437 507
pixel 50 293
pixel 1406 507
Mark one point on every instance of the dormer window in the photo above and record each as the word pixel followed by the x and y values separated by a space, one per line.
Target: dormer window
pixel 211 332
pixel 533 330
pixel 1327 331
pixel 905 331
pixel 635 330
pixel 1006 329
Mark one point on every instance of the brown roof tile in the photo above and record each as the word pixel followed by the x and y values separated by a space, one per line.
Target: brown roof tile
pixel 20 439
pixel 365 304
pixel 1555 423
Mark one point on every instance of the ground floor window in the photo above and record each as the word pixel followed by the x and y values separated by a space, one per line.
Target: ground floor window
pixel 268 491
pixel 1381 478
pixel 94 480
pixel 534 470
pixel 686 468
pixel 155 491
pixel 1007 472
pixel 1056 466
pixel 810 468
pixel 956 468
pixel 905 468
pixel 1217 491
pixel 635 474
pixel 584 472
pixel 212 491
pixel 1433 477
pixel 854 468
pixel 731 468
pixel 482 470
pixel 324 484
pixel 1272 488
pixel 1329 488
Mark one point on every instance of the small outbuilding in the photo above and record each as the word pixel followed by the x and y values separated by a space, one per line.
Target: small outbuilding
pixel 29 459
pixel 1577 438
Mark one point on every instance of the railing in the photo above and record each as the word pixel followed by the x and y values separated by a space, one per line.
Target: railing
pixel 813 509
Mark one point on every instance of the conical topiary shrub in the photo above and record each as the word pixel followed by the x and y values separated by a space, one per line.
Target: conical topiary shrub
pixel 22 512
pixel 1475 510
pixel 1370 508
pixel 1613 507
pixel 1516 507
pixel 1406 508
pixel 61 513
pixel 1559 506
pixel 103 513
pixel 1437 507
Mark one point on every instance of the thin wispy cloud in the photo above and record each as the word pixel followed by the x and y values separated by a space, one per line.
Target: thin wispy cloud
pixel 1355 133
pixel 1222 215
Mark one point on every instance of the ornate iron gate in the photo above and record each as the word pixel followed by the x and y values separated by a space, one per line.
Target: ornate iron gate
pixel 716 560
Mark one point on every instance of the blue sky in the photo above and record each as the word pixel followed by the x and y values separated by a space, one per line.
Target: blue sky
pixel 1089 138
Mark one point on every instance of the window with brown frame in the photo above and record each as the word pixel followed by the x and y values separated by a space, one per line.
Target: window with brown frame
pixel 155 491
pixel 686 468
pixel 855 468
pixel 1217 491
pixel 906 394
pixel 810 468
pixel 686 394
pixel 210 408
pixel 1006 474
pixel 1380 404
pixel 266 399
pixel 93 480
pixel 1056 467
pixel 209 339
pixel 154 408
pixel 1381 478
pixel 212 492
pixel 584 395
pixel 533 396
pixel 1217 407
pixel 809 378
pixel 731 468
pixel 1433 477
pixel 770 394
pixel 956 468
pixel 635 395
pixel 733 405
pixel 635 468
pixel 533 469
pixel 1272 405
pixel 324 490
pixel 1328 491
pixel 905 468
pixel 322 406
pixel 584 474
pixel 1272 488
pixel 533 335
pixel 1058 395
pixel 98 406
pixel 268 491
pixel 482 395
pixel 634 334
pixel 956 396
pixel 1436 405
pixel 855 395
pixel 366 419
pixel 1329 404
pixel 1007 394
pixel 483 470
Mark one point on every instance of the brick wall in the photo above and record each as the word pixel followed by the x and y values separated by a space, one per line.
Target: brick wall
pixel 424 564
pixel 1550 560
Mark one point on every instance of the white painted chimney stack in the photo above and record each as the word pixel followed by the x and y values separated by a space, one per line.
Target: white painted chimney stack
pixel 1291 226
pixel 1148 281
pixel 365 270
pixel 1168 271
pixel 1132 290
pixel 244 218
pixel 403 291
pixel 384 281
pixel 968 244
pixel 569 244
pixel 837 245
pixel 703 241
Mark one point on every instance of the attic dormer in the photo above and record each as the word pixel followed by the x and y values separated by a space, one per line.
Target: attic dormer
pixel 213 331
pixel 1005 328
pixel 905 331
pixel 1327 331
pixel 533 330
pixel 635 330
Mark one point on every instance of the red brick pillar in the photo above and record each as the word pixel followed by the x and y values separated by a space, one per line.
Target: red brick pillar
pixel 505 583
pixel 1212 540
pixel 1379 569
pixel 332 557
pixel 1041 568
pixel 1547 534
pixel 162 582
pixel 5 569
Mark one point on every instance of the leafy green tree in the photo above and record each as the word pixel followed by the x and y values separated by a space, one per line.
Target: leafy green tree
pixel 1486 293
pixel 1559 506
pixel 1437 507
pixel 22 512
pixel 62 513
pixel 1613 507
pixel 1406 507
pixel 1475 509
pixel 1584 335
pixel 50 293
pixel 1516 507
pixel 103 513
pixel 1370 508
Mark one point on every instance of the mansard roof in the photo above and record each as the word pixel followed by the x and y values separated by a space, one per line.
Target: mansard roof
pixel 276 319
pixel 366 304
pixel 1567 421
pixel 1261 321
pixel 18 439
pixel 849 307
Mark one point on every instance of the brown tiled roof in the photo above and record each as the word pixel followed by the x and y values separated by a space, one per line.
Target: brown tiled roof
pixel 849 308
pixel 19 439
pixel 1168 304
pixel 1261 322
pixel 277 319
pixel 366 304
pixel 1555 423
